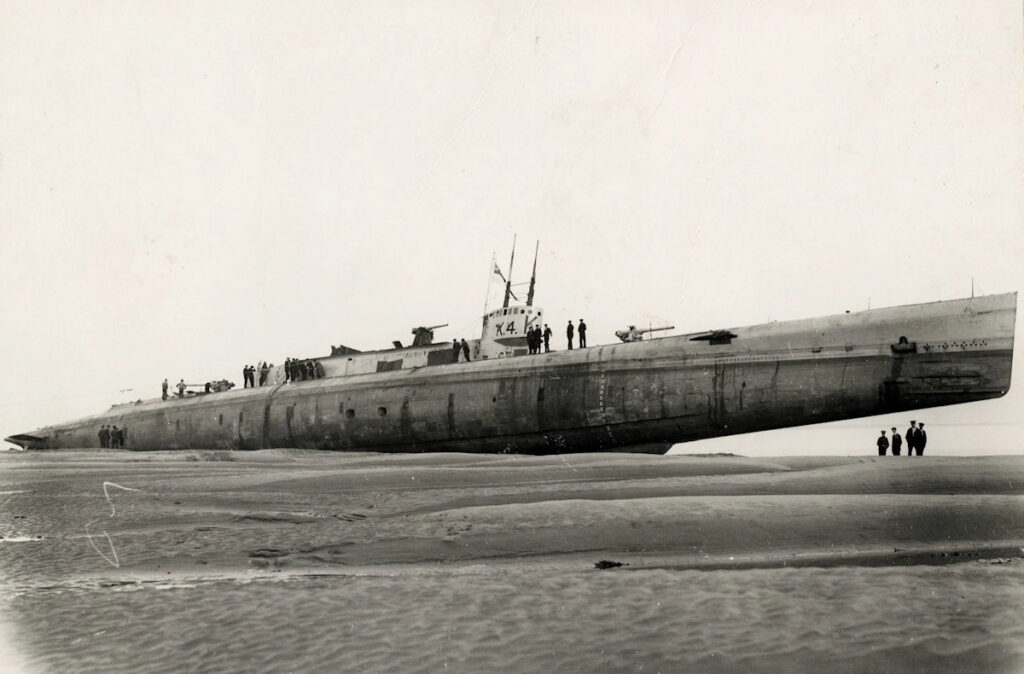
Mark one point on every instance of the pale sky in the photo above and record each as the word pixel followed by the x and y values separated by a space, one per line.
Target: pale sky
pixel 189 187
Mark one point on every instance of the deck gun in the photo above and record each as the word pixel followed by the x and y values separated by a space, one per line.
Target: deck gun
pixel 424 336
pixel 634 335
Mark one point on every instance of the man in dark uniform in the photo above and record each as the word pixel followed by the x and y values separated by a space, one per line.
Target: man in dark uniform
pixel 181 388
pixel 287 370
pixel 456 347
pixel 465 350
pixel 114 434
pixel 911 437
pixel 921 439
pixel 883 444
pixel 569 329
pixel 163 390
pixel 263 373
pixel 104 435
pixel 547 338
pixel 310 370
pixel 897 442
pixel 583 334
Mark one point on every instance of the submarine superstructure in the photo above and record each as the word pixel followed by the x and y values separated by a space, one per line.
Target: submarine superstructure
pixel 641 396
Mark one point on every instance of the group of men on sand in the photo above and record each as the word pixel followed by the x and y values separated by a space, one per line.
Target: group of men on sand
pixel 916 440
pixel 112 438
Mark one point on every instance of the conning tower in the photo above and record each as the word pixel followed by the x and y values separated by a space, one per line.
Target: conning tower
pixel 503 331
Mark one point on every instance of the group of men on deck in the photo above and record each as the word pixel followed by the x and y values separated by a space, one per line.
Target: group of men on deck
pixel 535 337
pixel 180 386
pixel 581 330
pixel 460 347
pixel 916 440
pixel 249 374
pixel 301 370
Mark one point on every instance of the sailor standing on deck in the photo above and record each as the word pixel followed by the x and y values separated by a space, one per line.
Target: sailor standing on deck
pixel 568 333
pixel 583 334
pixel 897 442
pixel 547 338
pixel 181 388
pixel 163 390
pixel 456 347
pixel 465 350
pixel 911 437
pixel 883 444
pixel 921 439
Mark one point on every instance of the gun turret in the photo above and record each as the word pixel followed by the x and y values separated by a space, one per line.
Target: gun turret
pixel 634 335
pixel 424 336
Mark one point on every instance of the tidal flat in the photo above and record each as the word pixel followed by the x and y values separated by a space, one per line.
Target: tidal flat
pixel 291 560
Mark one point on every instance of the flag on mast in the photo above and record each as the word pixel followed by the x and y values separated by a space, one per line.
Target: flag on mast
pixel 502 277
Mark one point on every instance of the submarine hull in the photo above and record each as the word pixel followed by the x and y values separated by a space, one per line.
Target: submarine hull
pixel 641 396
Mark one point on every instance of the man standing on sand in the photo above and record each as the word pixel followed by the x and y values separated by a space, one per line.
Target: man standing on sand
pixel 582 330
pixel 911 436
pixel 883 444
pixel 547 338
pixel 897 442
pixel 569 329
pixel 921 439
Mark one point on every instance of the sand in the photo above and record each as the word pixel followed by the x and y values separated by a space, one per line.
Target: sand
pixel 83 521
pixel 229 510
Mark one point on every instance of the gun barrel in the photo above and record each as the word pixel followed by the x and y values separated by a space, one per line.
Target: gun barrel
pixel 435 327
pixel 667 327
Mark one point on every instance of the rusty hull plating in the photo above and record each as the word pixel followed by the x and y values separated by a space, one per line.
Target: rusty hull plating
pixel 640 396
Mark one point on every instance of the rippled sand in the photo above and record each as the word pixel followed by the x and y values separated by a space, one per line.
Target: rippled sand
pixel 301 561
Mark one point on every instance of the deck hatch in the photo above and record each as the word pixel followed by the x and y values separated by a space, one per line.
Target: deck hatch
pixel 716 337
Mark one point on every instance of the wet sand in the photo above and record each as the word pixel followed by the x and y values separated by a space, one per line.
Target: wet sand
pixel 205 527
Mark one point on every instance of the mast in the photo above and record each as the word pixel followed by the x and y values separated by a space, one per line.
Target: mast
pixel 508 281
pixel 533 276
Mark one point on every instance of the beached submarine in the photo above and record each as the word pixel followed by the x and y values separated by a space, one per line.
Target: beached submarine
pixel 643 395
